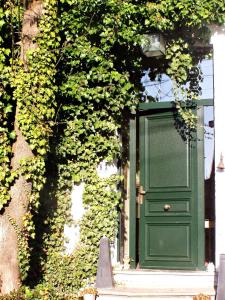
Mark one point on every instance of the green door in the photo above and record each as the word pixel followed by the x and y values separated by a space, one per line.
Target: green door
pixel 172 212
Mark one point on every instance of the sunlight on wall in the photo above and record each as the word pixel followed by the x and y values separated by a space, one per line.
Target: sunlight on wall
pixel 72 233
pixel 218 41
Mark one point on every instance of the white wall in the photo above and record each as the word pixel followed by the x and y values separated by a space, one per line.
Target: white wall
pixel 72 232
pixel 105 170
pixel 218 41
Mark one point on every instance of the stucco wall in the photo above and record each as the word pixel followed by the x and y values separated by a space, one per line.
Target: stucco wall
pixel 218 41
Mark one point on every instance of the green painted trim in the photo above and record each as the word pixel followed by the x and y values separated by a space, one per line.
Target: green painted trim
pixel 132 183
pixel 205 102
pixel 160 105
pixel 155 105
pixel 200 187
pixel 142 151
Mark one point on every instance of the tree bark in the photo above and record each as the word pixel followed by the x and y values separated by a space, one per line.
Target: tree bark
pixel 20 191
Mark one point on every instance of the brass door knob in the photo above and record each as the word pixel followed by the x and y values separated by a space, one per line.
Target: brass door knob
pixel 167 207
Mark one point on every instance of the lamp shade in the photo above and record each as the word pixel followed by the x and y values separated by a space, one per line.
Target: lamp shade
pixel 153 45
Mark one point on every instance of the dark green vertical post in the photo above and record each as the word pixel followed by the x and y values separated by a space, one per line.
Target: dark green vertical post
pixel 200 179
pixel 132 184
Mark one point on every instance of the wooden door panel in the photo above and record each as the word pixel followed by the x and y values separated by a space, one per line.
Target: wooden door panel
pixel 164 147
pixel 156 207
pixel 168 241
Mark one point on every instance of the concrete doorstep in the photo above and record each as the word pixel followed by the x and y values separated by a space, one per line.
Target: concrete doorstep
pixel 157 294
pixel 158 284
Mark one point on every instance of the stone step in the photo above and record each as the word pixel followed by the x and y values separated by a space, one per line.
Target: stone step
pixel 158 279
pixel 160 284
pixel 122 293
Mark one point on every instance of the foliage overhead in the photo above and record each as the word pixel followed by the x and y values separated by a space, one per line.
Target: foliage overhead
pixel 72 102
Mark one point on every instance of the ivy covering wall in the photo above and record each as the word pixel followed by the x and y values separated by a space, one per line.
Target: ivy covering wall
pixel 74 100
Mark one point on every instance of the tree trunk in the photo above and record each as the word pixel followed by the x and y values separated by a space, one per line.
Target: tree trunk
pixel 9 267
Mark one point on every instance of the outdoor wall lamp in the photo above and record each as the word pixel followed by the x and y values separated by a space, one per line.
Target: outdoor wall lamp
pixel 153 45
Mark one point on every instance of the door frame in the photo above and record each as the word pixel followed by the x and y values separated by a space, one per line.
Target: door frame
pixel 133 139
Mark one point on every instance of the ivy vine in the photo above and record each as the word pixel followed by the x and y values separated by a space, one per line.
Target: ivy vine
pixel 6 108
pixel 74 94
